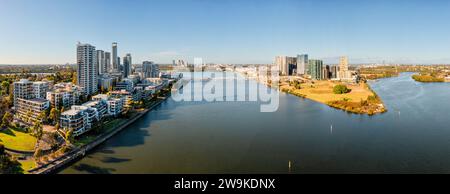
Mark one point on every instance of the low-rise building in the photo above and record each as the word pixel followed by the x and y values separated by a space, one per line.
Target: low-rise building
pixel 100 105
pixel 80 119
pixel 115 106
pixel 125 84
pixel 29 110
pixel 65 95
pixel 105 82
pixel 127 96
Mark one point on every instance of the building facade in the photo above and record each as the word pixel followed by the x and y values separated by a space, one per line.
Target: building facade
pixel 316 69
pixel 29 110
pixel 79 119
pixel 115 62
pixel 302 65
pixel 127 65
pixel 87 68
pixel 64 95
pixel 150 69
pixel 101 62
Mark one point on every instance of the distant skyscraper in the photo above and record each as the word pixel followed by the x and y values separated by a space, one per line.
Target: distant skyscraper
pixel 101 62
pixel 127 65
pixel 180 62
pixel 334 71
pixel 150 69
pixel 115 60
pixel 326 72
pixel 87 68
pixel 343 68
pixel 302 64
pixel 315 67
pixel 108 61
pixel 285 64
pixel 281 62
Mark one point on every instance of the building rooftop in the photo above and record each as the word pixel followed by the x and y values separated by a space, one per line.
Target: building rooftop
pixel 23 81
pixel 71 112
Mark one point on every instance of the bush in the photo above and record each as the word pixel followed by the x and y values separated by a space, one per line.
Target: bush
pixel 341 89
pixel 2 149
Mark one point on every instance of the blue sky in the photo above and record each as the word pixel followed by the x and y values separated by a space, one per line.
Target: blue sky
pixel 227 31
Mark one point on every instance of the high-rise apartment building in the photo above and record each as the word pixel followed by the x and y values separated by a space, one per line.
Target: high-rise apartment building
pixel 316 67
pixel 150 69
pixel 101 62
pixel 286 65
pixel 115 59
pixel 87 68
pixel 344 73
pixel 127 65
pixel 108 62
pixel 302 64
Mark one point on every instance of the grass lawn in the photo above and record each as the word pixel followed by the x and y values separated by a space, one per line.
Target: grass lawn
pixel 322 91
pixel 108 126
pixel 16 140
pixel 27 165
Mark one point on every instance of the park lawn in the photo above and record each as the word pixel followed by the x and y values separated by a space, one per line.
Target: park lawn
pixel 108 126
pixel 17 140
pixel 27 165
pixel 322 91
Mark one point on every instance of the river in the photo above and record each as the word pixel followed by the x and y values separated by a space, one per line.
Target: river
pixel 235 137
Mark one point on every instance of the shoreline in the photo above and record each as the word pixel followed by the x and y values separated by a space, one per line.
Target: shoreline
pixel 369 108
pixel 80 152
pixel 370 105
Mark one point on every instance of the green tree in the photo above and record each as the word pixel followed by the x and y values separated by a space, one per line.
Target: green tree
pixel 57 125
pixel 53 116
pixel 42 117
pixel 37 129
pixel 341 89
pixel 69 136
pixel 74 78
pixel 5 87
pixel 7 118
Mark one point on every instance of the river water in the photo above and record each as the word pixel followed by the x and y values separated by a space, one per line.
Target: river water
pixel 235 137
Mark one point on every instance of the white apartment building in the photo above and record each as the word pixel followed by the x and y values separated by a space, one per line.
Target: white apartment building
pixel 40 89
pixel 114 105
pixel 87 68
pixel 22 89
pixel 28 110
pixel 80 119
pixel 64 95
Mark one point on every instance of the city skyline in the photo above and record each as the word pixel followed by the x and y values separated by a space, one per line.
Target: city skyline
pixel 246 32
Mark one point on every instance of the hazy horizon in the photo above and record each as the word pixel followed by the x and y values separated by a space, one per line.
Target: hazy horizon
pixel 227 31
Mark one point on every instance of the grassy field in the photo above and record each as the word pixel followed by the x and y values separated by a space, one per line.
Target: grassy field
pixel 427 78
pixel 17 140
pixel 322 91
pixel 27 165
pixel 359 100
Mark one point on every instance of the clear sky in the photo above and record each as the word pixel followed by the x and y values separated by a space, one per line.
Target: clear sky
pixel 227 31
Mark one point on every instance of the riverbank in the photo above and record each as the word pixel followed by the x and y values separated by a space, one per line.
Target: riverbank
pixel 79 152
pixel 427 78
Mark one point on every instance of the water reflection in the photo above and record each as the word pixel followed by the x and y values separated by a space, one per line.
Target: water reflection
pixel 234 137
